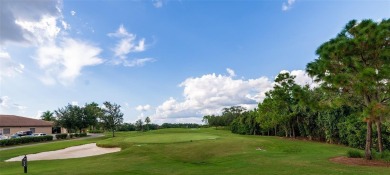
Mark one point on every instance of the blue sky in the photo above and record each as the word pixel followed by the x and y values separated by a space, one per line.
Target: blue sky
pixel 174 61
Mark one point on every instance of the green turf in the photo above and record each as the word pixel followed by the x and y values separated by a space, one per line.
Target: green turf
pixel 170 138
pixel 201 151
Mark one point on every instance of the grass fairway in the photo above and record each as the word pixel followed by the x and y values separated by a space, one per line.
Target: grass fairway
pixel 186 151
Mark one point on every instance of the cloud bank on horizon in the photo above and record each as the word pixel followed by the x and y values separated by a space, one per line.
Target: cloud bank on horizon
pixel 210 93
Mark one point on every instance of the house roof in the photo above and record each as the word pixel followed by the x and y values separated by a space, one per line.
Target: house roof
pixel 18 121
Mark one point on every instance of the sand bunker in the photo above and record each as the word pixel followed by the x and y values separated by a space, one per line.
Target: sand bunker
pixel 67 153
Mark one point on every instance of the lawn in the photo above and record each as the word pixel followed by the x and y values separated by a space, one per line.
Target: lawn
pixel 192 151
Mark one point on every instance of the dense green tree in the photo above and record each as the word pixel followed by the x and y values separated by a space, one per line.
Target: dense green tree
pixel 278 109
pixel 213 120
pixel 229 114
pixel 267 115
pixel 81 121
pixel 179 125
pixel 147 121
pixel 112 116
pixel 357 63
pixel 246 123
pixel 74 117
pixel 126 127
pixel 67 117
pixel 226 119
pixel 92 113
pixel 139 124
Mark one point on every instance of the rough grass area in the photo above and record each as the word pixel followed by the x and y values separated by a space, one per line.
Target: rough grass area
pixel 201 151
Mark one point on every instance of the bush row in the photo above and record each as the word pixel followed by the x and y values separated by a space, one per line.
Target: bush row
pixel 77 135
pixel 95 131
pixel 61 136
pixel 22 140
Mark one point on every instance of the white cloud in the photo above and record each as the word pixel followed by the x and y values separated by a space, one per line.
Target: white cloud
pixel 75 103
pixel 157 3
pixel 44 30
pixel 8 67
pixel 25 22
pixel 39 114
pixel 141 116
pixel 39 24
pixel 65 25
pixel 302 78
pixel 120 33
pixel 4 102
pixel 210 93
pixel 231 72
pixel 20 107
pixel 288 5
pixel 8 106
pixel 143 108
pixel 65 61
pixel 72 13
pixel 137 62
pixel 127 43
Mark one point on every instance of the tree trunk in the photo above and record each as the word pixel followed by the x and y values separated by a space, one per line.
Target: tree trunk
pixel 113 133
pixel 275 130
pixel 293 131
pixel 285 130
pixel 379 132
pixel 368 155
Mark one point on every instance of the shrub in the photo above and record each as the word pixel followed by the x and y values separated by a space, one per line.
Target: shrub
pixel 61 136
pixel 22 140
pixel 385 155
pixel 96 131
pixel 354 154
pixel 80 134
pixel 72 135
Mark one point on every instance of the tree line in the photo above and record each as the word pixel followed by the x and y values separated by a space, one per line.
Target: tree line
pixel 76 118
pixel 350 106
pixel 91 116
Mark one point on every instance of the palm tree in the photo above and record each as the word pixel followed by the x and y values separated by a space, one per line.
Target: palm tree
pixel 147 121
pixel 47 116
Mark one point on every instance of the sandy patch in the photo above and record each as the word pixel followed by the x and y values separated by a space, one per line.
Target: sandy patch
pixel 67 153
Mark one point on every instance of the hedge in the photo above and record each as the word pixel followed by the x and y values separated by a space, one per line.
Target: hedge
pixel 96 131
pixel 80 134
pixel 22 140
pixel 61 136
pixel 71 135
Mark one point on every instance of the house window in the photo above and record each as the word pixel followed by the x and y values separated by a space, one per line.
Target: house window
pixel 32 130
pixel 6 131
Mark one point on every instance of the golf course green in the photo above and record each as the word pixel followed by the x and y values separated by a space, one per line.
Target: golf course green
pixel 191 151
